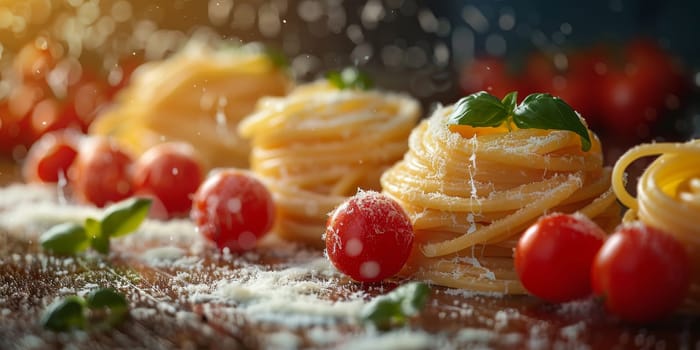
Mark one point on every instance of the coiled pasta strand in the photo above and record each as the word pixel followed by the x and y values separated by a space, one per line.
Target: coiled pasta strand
pixel 471 192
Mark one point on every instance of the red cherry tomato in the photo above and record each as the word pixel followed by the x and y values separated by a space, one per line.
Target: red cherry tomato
pixel 659 64
pixel 157 210
pixel 172 172
pixel 49 115
pixel 85 100
pixel 369 237
pixel 553 257
pixel 12 130
pixel 538 73
pixel 634 92
pixel 101 173
pixel 488 74
pixel 119 76
pixel 574 84
pixel 629 106
pixel 24 97
pixel 233 209
pixel 34 60
pixel 16 133
pixel 642 273
pixel 587 71
pixel 51 156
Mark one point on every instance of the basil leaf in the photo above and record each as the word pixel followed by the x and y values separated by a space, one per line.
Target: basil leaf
pixel 124 217
pixel 92 227
pixel 350 78
pixel 100 244
pixel 510 101
pixel 67 238
pixel 110 299
pixel 382 313
pixel 414 297
pixel 106 297
pixel 394 308
pixel 543 111
pixel 64 315
pixel 479 109
pixel 277 57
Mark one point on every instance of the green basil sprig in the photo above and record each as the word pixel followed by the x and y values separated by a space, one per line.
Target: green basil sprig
pixel 536 111
pixel 120 219
pixel 396 307
pixel 350 78
pixel 277 57
pixel 103 307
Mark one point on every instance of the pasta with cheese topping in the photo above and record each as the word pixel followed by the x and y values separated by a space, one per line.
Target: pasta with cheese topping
pixel 318 145
pixel 471 192
pixel 668 197
pixel 198 96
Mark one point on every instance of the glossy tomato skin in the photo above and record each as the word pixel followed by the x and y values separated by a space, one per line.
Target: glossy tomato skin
pixel 49 115
pixel 575 82
pixel 553 257
pixel 17 114
pixel 369 237
pixel 170 171
pixel 635 90
pixel 34 60
pixel 49 159
pixel 233 209
pixel 628 105
pixel 119 76
pixel 85 100
pixel 12 130
pixel 641 273
pixel 101 173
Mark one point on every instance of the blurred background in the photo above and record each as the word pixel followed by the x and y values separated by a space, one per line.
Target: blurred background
pixel 631 68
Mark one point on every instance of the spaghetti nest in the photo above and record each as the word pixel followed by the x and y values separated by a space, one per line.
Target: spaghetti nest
pixel 471 192
pixel 668 197
pixel 318 145
pixel 197 96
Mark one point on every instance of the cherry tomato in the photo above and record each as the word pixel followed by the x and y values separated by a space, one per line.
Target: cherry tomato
pixel 642 273
pixel 49 115
pixel 51 156
pixel 488 74
pixel 119 76
pixel 634 92
pixel 12 130
pixel 574 84
pixel 652 59
pixel 101 173
pixel 369 237
pixel 553 257
pixel 172 172
pixel 15 118
pixel 157 211
pixel 588 69
pixel 24 97
pixel 34 60
pixel 233 209
pixel 85 100
pixel 629 106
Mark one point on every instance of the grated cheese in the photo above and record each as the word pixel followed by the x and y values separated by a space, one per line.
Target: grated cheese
pixel 298 301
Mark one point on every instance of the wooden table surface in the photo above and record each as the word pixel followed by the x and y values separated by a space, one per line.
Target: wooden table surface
pixel 167 310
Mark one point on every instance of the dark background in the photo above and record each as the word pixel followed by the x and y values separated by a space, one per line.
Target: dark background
pixel 415 46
